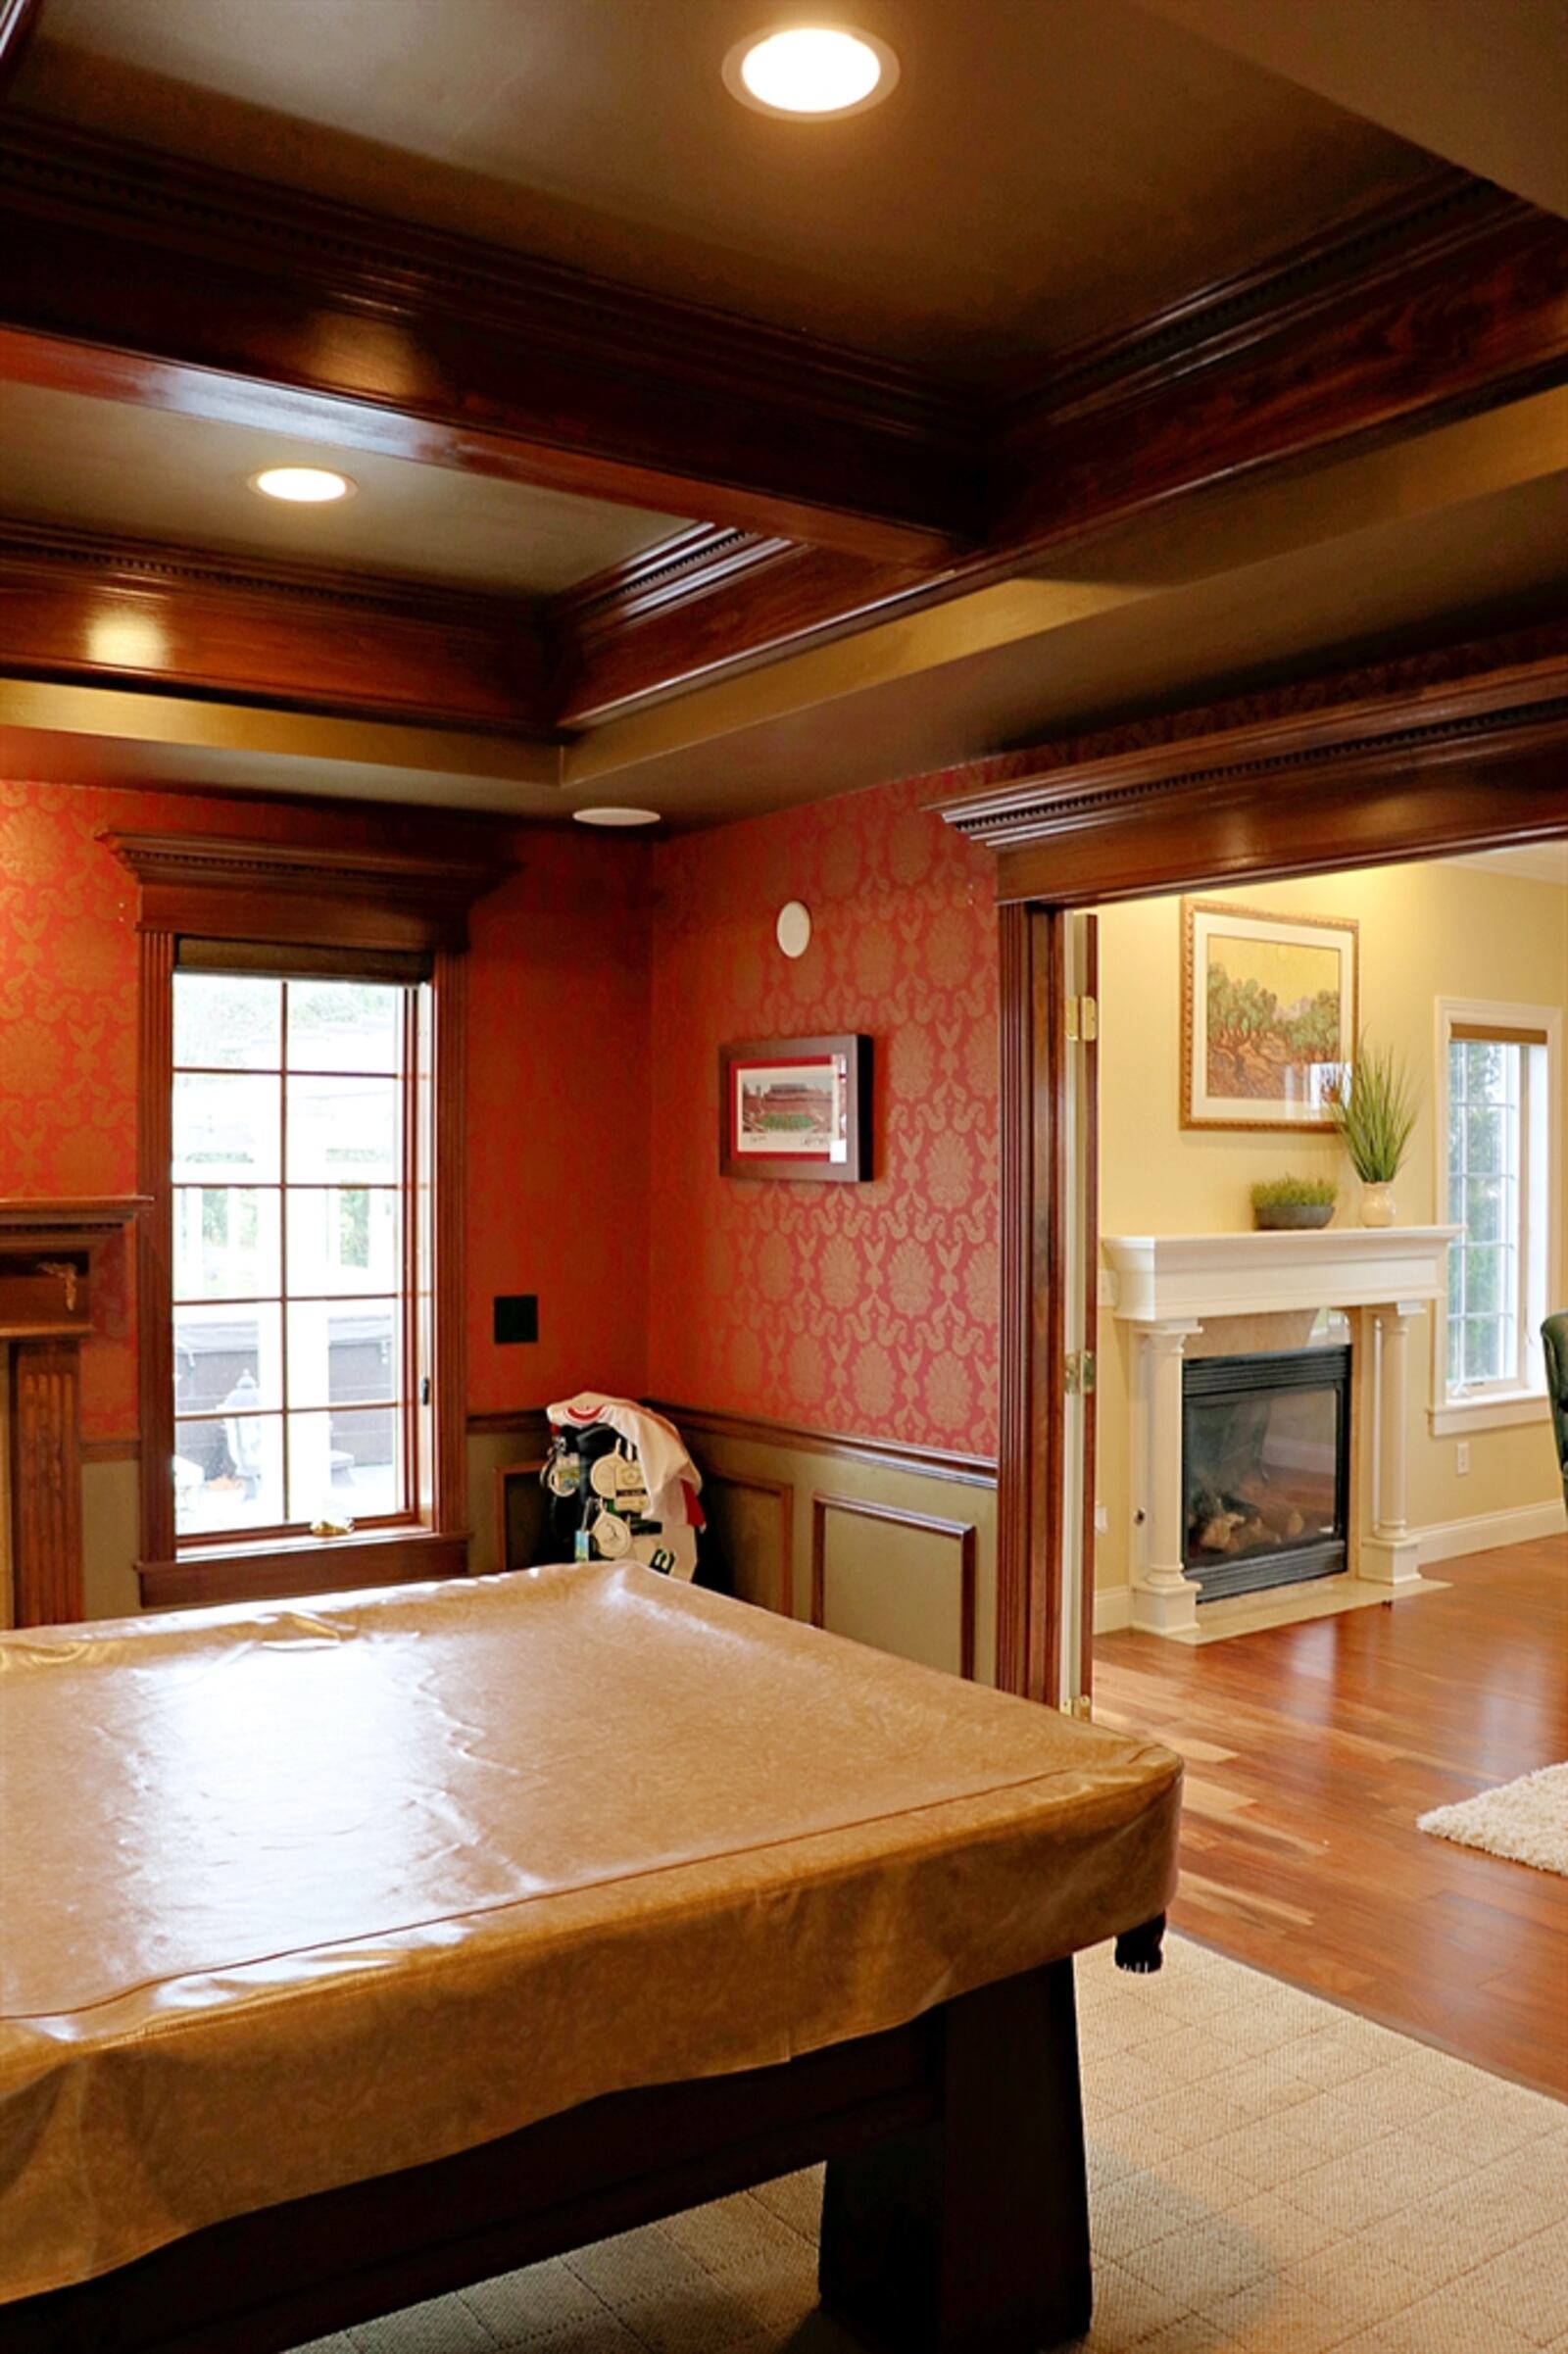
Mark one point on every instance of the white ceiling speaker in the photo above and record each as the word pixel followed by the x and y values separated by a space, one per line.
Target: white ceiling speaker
pixel 794 928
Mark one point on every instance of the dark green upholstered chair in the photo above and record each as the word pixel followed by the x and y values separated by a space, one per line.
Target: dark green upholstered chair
pixel 1554 1336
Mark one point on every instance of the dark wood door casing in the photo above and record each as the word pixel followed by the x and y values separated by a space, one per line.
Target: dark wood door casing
pixel 1473 757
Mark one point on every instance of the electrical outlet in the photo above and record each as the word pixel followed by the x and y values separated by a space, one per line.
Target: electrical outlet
pixel 1462 1457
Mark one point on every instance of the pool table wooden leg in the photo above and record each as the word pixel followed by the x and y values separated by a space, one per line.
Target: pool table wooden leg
pixel 971 2235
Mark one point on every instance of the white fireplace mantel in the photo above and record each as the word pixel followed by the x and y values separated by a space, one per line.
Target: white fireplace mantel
pixel 1170 1285
pixel 1164 1278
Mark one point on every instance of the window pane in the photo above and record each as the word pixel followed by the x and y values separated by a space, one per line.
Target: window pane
pixel 343 1354
pixel 226 1128
pixel 1483 1349
pixel 344 1239
pixel 1483 1281
pixel 228 1475
pixel 225 1241
pixel 227 1361
pixel 344 1026
pixel 344 1131
pixel 1481 1209
pixel 223 1022
pixel 345 1464
pixel 1483 1138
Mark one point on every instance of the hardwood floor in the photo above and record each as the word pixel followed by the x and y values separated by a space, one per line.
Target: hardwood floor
pixel 1311 1750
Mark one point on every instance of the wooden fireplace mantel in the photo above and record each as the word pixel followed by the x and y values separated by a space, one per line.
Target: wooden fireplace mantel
pixel 46 1256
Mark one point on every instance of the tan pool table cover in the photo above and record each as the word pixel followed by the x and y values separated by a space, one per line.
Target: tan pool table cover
pixel 297 1894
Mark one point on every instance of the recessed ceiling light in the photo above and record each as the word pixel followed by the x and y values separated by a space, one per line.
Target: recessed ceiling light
pixel 302 485
pixel 810 69
pixel 617 816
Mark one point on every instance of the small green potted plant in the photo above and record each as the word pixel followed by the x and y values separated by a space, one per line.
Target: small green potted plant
pixel 1372 1105
pixel 1290 1204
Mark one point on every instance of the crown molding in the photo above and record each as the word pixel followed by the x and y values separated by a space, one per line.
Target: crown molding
pixel 676 571
pixel 124 613
pixel 242 887
pixel 1454 750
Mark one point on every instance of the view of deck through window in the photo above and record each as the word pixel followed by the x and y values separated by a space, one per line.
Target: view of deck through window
pixel 291 1247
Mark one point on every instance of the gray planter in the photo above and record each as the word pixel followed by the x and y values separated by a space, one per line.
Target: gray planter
pixel 1290 1218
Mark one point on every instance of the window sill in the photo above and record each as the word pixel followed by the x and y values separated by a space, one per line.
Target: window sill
pixel 299 1566
pixel 1498 1409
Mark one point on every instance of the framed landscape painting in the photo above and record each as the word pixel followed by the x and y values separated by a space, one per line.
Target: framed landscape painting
pixel 796 1108
pixel 1268 1015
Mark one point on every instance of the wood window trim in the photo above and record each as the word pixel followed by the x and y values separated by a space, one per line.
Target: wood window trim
pixel 1422 758
pixel 282 896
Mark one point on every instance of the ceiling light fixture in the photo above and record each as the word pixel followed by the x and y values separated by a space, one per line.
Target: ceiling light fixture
pixel 302 485
pixel 611 816
pixel 812 69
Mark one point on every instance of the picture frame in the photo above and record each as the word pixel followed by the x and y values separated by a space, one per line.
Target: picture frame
pixel 1269 1013
pixel 797 1108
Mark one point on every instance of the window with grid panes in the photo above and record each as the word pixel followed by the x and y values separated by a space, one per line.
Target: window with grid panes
pixel 1499 1181
pixel 293 1187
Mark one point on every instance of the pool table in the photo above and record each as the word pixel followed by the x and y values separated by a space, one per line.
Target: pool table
pixel 359 1948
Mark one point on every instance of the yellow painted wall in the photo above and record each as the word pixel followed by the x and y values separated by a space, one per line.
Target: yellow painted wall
pixel 1425 932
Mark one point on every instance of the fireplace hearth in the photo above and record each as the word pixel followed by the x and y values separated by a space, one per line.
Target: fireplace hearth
pixel 1265 1469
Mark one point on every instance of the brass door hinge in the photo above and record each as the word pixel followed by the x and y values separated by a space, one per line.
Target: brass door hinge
pixel 1082 1708
pixel 1083 1020
pixel 1079 1373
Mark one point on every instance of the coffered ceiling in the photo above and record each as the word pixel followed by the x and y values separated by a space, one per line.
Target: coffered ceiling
pixel 1125 348
pixel 103 465
pixel 1045 169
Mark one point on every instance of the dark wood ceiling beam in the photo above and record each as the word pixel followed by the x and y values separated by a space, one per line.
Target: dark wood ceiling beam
pixel 117 613
pixel 146 278
pixel 1453 301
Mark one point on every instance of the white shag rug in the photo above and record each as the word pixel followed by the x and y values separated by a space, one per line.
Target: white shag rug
pixel 1526 1821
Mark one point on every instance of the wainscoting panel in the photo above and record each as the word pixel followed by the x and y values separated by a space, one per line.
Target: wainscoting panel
pixel 896 1545
pixel 903 1581
pixel 753 1524
pixel 885 1545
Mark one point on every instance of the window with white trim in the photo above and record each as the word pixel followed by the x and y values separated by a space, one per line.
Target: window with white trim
pixel 294 1243
pixel 1499 1083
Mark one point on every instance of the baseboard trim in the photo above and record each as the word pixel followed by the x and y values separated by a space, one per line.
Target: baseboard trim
pixel 1113 1609
pixel 1452 1539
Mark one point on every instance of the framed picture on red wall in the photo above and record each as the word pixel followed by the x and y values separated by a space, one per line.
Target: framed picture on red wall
pixel 796 1108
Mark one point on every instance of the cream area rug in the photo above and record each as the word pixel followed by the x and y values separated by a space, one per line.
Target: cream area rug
pixel 1526 1820
pixel 1268 2175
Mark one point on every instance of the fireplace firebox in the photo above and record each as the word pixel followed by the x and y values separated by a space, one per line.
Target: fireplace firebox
pixel 1265 1469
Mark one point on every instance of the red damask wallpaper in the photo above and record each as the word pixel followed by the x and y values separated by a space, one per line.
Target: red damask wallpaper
pixel 869 1308
pixel 556 1127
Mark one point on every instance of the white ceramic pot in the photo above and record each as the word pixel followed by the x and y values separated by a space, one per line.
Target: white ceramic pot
pixel 1377 1206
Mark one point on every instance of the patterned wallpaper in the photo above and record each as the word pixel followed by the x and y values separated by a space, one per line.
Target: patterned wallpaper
pixel 870 1309
pixel 560 1118
pixel 557 990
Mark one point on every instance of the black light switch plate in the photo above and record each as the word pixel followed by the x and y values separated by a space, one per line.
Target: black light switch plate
pixel 516 1316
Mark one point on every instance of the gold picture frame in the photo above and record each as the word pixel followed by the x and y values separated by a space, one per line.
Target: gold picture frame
pixel 1269 1012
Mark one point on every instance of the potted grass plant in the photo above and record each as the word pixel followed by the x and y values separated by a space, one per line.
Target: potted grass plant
pixel 1293 1204
pixel 1372 1105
